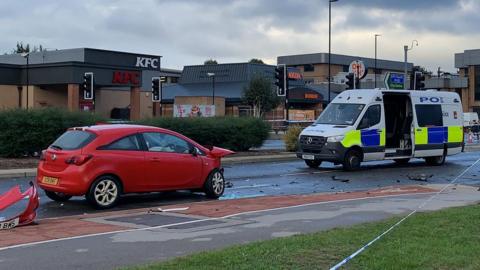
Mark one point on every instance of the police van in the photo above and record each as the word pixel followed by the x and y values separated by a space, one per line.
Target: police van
pixel 374 124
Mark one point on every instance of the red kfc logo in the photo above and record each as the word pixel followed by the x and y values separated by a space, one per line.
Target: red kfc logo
pixel 126 77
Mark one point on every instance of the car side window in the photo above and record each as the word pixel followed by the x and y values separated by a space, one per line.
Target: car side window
pixel 127 143
pixel 371 117
pixel 161 142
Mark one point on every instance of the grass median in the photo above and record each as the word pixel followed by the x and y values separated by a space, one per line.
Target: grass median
pixel 446 239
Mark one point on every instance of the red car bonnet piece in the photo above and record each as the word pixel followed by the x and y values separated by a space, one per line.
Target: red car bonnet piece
pixel 220 152
pixel 13 196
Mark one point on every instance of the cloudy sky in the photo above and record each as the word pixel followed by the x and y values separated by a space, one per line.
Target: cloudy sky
pixel 187 32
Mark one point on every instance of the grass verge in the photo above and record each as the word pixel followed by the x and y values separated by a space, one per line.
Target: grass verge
pixel 446 239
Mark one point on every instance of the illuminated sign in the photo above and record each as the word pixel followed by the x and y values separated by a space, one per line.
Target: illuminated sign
pixel 126 77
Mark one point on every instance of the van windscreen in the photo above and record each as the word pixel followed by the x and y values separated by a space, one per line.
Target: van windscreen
pixel 340 114
pixel 72 140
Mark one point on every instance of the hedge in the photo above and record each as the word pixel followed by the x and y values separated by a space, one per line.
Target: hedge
pixel 235 133
pixel 24 132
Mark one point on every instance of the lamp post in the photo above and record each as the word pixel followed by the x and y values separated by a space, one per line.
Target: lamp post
pixel 211 74
pixel 329 43
pixel 376 35
pixel 27 56
pixel 406 49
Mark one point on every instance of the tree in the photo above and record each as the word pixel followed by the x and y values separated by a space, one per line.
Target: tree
pixel 210 62
pixel 261 95
pixel 256 61
pixel 25 48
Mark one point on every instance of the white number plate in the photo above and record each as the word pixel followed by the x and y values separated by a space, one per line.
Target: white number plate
pixel 9 224
pixel 308 157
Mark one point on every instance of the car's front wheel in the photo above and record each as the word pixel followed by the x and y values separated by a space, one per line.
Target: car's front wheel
pixel 104 192
pixel 57 196
pixel 352 160
pixel 215 184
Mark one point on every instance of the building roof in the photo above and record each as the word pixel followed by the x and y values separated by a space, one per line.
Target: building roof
pixel 339 59
pixel 467 58
pixel 236 72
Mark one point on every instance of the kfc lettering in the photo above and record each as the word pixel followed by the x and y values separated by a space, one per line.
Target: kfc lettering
pixel 126 77
pixel 147 62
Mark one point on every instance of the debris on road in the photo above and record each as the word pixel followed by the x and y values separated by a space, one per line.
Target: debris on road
pixel 12 197
pixel 293 182
pixel 420 177
pixel 228 184
pixel 344 180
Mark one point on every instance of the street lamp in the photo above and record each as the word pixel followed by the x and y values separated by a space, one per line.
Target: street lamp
pixel 376 35
pixel 211 74
pixel 329 42
pixel 27 56
pixel 406 49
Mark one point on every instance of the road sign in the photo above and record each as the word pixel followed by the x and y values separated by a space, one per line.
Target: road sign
pixel 394 80
pixel 357 67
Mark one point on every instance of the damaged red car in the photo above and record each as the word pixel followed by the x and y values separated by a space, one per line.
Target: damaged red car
pixel 28 202
pixel 103 162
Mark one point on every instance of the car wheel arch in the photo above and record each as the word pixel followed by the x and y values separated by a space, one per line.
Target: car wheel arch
pixel 116 177
pixel 358 149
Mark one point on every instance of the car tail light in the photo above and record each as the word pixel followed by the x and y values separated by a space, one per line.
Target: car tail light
pixel 78 160
pixel 43 156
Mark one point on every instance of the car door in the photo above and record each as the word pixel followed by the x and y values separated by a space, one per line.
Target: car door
pixel 372 128
pixel 169 162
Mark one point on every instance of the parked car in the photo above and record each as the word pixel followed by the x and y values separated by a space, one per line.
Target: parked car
pixel 105 161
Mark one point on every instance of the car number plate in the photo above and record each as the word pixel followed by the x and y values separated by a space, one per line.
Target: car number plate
pixel 9 224
pixel 50 180
pixel 308 157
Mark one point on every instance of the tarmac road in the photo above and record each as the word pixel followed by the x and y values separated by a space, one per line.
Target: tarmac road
pixel 278 178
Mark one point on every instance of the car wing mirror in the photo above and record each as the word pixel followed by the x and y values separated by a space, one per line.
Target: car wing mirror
pixel 193 151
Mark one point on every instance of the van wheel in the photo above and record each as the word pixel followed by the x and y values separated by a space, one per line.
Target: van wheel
pixel 57 196
pixel 313 163
pixel 104 192
pixel 352 160
pixel 214 185
pixel 436 161
pixel 402 161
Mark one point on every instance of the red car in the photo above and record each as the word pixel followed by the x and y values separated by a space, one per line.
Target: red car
pixel 104 161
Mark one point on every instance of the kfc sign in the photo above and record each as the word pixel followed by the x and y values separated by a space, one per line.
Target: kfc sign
pixel 126 77
pixel 146 62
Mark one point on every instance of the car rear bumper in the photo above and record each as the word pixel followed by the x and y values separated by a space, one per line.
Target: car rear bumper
pixel 73 180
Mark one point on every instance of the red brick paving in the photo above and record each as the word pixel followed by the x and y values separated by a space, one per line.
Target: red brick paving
pixel 56 228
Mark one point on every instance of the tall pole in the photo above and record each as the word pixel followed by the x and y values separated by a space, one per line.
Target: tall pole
pixel 28 71
pixel 213 93
pixel 376 71
pixel 329 44
pixel 405 48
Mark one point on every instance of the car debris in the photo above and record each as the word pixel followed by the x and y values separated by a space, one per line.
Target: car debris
pixel 420 177
pixel 228 184
pixel 14 196
pixel 344 180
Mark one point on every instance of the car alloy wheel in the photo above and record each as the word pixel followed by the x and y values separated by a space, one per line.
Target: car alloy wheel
pixel 218 183
pixel 106 192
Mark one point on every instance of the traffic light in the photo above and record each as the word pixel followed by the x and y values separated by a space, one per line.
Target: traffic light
pixel 350 81
pixel 280 80
pixel 156 89
pixel 419 81
pixel 88 90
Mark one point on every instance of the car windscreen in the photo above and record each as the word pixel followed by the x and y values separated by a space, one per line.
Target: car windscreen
pixel 340 114
pixel 72 140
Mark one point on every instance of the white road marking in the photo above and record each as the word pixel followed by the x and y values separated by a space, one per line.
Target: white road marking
pixel 306 173
pixel 205 219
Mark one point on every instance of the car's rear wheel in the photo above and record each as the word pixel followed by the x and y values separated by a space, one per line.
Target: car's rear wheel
pixel 58 196
pixel 215 184
pixel 313 163
pixel 104 192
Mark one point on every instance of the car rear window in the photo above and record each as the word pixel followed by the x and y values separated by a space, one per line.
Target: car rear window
pixel 73 139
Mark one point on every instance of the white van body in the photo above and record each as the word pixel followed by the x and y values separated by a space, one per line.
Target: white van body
pixel 374 124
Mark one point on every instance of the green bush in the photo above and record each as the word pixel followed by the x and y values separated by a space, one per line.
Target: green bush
pixel 234 133
pixel 291 138
pixel 28 131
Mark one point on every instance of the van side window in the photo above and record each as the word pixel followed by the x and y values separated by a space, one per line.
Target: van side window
pixel 429 115
pixel 371 117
